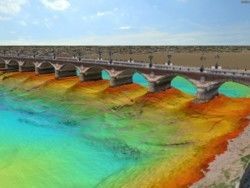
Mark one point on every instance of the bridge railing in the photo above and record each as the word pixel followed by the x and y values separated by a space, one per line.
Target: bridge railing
pixel 176 68
pixel 131 64
pixel 229 72
pixel 226 72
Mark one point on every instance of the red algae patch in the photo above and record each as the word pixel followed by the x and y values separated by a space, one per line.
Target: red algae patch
pixel 61 85
pixel 123 88
pixel 37 81
pixel 14 78
pixel 221 105
pixel 170 94
pixel 123 95
pixel 90 87
pixel 171 98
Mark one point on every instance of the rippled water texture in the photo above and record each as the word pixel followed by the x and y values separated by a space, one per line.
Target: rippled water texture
pixel 62 133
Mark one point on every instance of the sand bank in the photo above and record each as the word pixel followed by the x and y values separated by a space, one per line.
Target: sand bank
pixel 228 168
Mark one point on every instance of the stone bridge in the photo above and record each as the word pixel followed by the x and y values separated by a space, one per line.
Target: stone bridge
pixel 158 76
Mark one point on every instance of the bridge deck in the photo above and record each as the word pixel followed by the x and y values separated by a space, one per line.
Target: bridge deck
pixel 145 67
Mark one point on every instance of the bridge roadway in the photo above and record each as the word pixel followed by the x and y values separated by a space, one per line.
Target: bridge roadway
pixel 121 72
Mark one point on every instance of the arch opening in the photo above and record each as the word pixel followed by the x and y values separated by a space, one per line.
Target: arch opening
pixel 183 84
pixel 29 64
pixel 234 90
pixel 46 65
pixel 140 79
pixel 69 70
pixel 45 68
pixel 13 65
pixel 2 63
pixel 105 75
pixel 68 67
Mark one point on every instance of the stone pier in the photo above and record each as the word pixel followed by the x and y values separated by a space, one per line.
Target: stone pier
pixel 206 91
pixel 159 84
pixel 90 76
pixel 44 68
pixel 64 73
pixel 121 80
pixel 118 78
pixel 89 73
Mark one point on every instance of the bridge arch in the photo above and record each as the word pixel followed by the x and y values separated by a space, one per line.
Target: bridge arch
pixel 46 65
pixel 2 63
pixel 96 70
pixel 13 64
pixel 235 89
pixel 92 73
pixel 28 64
pixel 67 67
pixel 66 70
pixel 140 78
pixel 184 84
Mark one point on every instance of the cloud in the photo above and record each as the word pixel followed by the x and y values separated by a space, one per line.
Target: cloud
pixel 99 15
pixel 125 27
pixel 4 18
pixel 57 5
pixel 9 8
pixel 105 13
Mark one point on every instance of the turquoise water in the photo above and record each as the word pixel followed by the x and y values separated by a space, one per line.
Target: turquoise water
pixel 140 79
pixel 37 143
pixel 183 85
pixel 234 90
pixel 105 75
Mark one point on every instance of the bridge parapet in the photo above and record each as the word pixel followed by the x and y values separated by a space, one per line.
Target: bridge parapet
pixel 60 60
pixel 121 72
pixel 134 64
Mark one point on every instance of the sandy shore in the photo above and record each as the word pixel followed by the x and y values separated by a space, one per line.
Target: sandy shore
pixel 228 168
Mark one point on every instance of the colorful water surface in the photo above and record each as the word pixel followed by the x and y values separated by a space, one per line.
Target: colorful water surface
pixel 63 133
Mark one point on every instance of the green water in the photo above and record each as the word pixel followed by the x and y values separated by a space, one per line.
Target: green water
pixel 40 146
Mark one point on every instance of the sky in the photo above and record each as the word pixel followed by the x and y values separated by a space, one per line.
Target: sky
pixel 124 22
